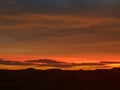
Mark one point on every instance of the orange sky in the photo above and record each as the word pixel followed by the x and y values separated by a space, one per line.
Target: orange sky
pixel 73 59
pixel 87 61
pixel 72 31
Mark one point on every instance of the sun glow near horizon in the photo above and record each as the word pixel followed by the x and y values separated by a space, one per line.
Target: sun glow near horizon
pixel 86 63
pixel 74 59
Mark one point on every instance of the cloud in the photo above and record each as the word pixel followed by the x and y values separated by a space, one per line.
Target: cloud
pixel 63 38
pixel 84 7
pixel 108 62
pixel 42 63
pixel 9 62
pixel 47 62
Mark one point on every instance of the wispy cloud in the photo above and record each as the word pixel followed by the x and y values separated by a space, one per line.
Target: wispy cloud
pixel 49 62
pixel 108 62
pixel 9 62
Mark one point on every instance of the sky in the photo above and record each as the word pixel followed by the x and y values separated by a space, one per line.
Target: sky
pixel 67 34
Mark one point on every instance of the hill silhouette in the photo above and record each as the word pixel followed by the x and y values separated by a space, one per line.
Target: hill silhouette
pixel 56 79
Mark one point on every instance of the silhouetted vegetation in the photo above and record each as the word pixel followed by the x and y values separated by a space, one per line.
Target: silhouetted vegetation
pixel 56 79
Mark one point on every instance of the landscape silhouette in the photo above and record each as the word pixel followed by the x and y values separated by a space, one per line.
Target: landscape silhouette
pixel 57 79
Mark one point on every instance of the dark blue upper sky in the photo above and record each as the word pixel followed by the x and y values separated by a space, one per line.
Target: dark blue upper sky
pixel 62 6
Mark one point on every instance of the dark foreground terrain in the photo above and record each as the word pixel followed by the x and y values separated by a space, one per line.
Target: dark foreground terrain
pixel 55 79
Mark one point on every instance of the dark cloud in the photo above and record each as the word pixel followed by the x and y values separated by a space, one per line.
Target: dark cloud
pixel 108 62
pixel 94 7
pixel 99 7
pixel 9 62
pixel 48 62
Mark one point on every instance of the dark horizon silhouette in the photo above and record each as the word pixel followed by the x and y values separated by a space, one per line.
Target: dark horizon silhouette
pixel 57 79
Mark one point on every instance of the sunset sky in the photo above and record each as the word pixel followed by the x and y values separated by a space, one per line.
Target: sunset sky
pixel 66 34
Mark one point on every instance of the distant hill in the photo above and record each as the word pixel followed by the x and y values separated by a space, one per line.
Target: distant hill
pixel 56 79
